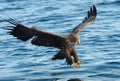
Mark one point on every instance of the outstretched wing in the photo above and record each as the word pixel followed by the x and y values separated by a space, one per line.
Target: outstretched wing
pixel 92 13
pixel 39 37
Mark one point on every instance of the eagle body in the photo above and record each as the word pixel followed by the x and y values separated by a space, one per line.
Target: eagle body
pixel 66 43
pixel 68 50
pixel 72 40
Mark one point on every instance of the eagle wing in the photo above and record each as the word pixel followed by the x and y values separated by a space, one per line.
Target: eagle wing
pixel 39 37
pixel 91 16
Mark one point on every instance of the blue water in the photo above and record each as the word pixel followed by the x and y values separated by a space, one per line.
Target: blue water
pixel 99 49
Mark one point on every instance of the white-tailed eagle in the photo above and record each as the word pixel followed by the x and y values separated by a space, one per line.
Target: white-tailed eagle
pixel 66 44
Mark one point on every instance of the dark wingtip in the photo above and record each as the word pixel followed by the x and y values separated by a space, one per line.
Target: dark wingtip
pixel 88 14
pixel 93 5
pixel 94 10
pixel 11 20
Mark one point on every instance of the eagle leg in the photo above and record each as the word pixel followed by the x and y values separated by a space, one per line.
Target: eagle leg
pixel 75 56
pixel 68 57
pixel 77 62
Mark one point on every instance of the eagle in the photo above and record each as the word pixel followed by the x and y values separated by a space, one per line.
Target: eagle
pixel 65 44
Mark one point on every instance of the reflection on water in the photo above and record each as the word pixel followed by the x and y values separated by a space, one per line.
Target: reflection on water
pixel 74 79
pixel 99 49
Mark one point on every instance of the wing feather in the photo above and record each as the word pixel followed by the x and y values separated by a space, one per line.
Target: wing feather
pixel 48 39
pixel 91 16
pixel 40 37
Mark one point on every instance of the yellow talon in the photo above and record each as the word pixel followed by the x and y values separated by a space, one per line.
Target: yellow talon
pixel 79 62
pixel 76 65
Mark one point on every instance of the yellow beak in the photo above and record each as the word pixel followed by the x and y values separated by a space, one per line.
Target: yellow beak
pixel 78 42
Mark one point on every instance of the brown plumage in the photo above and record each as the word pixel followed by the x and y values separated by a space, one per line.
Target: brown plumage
pixel 66 44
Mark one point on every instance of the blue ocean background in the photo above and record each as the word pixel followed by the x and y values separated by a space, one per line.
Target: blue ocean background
pixel 99 49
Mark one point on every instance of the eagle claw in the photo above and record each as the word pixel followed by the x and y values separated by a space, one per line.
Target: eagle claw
pixel 76 65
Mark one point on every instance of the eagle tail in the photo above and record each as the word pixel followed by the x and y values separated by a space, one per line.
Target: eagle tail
pixel 59 55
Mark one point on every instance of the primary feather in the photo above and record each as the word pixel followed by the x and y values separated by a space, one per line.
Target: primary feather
pixel 91 16
pixel 41 38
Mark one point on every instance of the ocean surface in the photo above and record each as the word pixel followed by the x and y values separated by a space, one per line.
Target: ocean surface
pixel 99 49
